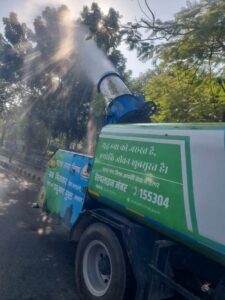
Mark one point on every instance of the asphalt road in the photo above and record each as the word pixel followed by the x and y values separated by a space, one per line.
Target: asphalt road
pixel 36 259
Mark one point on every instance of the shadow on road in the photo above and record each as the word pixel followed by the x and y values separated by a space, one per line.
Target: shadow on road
pixel 36 259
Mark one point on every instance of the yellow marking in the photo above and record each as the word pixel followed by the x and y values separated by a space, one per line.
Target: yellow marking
pixel 134 211
pixel 93 193
pixel 52 163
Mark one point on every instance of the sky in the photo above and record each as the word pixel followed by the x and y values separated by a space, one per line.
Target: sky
pixel 27 10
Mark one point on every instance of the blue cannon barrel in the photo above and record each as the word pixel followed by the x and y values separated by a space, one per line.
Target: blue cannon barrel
pixel 123 107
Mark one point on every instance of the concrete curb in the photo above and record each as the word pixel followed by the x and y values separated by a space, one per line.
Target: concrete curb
pixel 22 171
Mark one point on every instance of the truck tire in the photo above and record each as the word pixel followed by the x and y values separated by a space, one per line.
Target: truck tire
pixel 100 266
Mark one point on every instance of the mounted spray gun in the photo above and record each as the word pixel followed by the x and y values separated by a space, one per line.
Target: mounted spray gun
pixel 123 107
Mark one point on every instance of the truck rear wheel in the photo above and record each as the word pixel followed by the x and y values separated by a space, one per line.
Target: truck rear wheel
pixel 100 267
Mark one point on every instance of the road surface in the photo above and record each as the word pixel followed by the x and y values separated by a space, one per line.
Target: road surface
pixel 36 259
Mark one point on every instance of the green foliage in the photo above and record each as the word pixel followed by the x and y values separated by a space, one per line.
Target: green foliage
pixel 196 34
pixel 182 95
pixel 34 133
pixel 104 29
pixel 42 77
pixel 136 85
pixel 188 85
pixel 15 32
pixel 3 95
pixel 14 46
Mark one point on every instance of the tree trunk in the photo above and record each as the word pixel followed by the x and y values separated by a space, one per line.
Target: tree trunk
pixel 68 140
pixel 3 135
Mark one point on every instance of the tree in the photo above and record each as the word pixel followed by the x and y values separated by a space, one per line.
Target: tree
pixel 137 85
pixel 67 99
pixel 183 95
pixel 188 81
pixel 3 94
pixel 14 46
pixel 46 63
pixel 104 29
pixel 196 34
pixel 12 97
pixel 58 79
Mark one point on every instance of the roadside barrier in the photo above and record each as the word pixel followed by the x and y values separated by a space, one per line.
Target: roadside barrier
pixel 22 171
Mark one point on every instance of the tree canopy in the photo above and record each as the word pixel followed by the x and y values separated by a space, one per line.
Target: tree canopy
pixel 188 55
pixel 196 34
pixel 46 61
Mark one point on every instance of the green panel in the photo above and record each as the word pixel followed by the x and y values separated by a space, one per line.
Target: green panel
pixel 144 175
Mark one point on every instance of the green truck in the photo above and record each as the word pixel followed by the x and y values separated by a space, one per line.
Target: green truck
pixel 148 210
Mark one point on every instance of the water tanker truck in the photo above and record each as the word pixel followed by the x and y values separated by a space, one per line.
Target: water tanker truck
pixel 148 211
